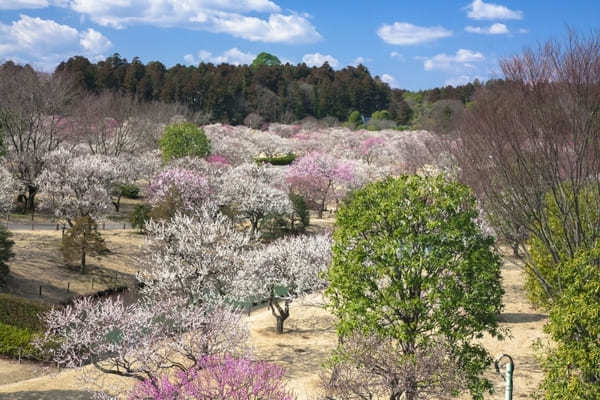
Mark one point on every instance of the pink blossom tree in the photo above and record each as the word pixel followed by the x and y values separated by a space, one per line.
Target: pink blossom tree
pixel 219 378
pixel 316 176
pixel 370 147
pixel 191 187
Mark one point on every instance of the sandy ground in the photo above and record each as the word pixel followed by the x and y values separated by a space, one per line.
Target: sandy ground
pixel 309 332
pixel 308 339
pixel 38 262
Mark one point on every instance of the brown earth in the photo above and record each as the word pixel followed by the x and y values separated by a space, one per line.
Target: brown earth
pixel 309 334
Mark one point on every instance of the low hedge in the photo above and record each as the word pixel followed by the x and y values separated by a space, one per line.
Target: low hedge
pixel 21 313
pixel 12 339
pixel 285 159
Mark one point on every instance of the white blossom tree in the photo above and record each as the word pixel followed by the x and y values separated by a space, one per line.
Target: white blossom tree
pixel 142 341
pixel 285 269
pixel 197 256
pixel 78 185
pixel 249 190
pixel 8 189
pixel 32 116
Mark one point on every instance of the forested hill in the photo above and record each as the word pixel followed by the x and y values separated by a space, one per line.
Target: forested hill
pixel 282 93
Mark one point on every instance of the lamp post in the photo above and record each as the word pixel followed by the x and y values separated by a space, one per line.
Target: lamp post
pixel 510 367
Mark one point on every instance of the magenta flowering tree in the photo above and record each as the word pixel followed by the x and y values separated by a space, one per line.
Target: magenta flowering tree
pixel 189 185
pixel 316 176
pixel 219 378
pixel 217 159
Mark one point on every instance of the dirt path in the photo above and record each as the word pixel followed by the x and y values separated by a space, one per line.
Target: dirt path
pixel 309 338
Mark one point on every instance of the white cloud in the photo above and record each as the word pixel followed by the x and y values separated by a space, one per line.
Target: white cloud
pixel 21 4
pixel 232 56
pixel 462 80
pixel 361 60
pixel 402 33
pixel 495 29
pixel 523 30
pixel 318 59
pixel 397 56
pixel 94 42
pixel 462 59
pixel 218 16
pixel 481 10
pixel 390 80
pixel 45 43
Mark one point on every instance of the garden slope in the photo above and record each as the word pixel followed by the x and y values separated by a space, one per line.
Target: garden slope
pixel 309 338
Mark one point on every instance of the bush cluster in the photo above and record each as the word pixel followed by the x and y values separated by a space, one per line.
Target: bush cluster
pixel 21 313
pixel 20 323
pixel 285 159
pixel 129 191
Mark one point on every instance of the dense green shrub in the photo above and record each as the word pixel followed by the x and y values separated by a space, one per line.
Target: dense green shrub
pixel 139 216
pixel 181 140
pixel 285 159
pixel 13 338
pixel 547 263
pixel 572 365
pixel 301 217
pixel 21 313
pixel 129 191
pixel 381 115
pixel 5 253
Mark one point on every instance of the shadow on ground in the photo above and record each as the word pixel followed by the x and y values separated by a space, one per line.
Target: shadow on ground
pixel 49 395
pixel 516 318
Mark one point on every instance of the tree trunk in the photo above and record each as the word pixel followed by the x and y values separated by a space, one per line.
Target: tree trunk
pixel 280 314
pixel 279 328
pixel 30 200
pixel 82 270
pixel 515 249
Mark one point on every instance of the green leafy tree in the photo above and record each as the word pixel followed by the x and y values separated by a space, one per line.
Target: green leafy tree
pixel 381 115
pixel 265 59
pixel 572 364
pixel 545 281
pixel 181 140
pixel 80 240
pixel 410 263
pixel 139 216
pixel 5 253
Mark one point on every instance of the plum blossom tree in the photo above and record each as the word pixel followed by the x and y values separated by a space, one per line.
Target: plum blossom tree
pixel 78 185
pixel 370 147
pixel 248 189
pixel 284 270
pixel 222 378
pixel 189 186
pixel 368 366
pixel 32 110
pixel 195 256
pixel 8 189
pixel 143 340
pixel 316 175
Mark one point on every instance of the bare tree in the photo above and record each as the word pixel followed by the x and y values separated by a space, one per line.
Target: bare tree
pixel 369 367
pixel 33 110
pixel 536 138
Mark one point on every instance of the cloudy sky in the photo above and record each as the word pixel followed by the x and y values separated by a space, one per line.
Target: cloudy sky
pixel 409 44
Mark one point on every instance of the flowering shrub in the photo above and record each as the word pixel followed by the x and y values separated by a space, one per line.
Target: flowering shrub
pixel 316 176
pixel 192 188
pixel 219 378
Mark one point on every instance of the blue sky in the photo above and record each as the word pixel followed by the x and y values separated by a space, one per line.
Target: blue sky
pixel 410 44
